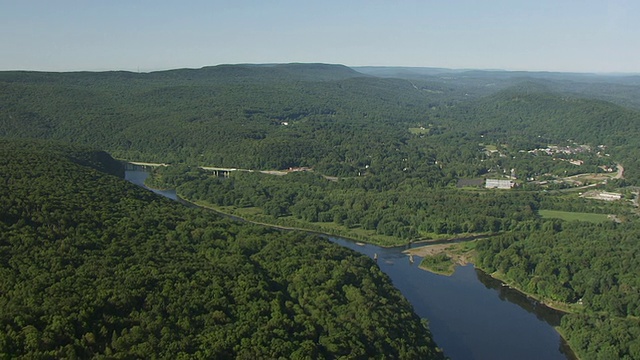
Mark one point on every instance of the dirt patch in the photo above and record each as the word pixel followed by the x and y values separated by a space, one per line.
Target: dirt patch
pixel 451 250
pixel 428 250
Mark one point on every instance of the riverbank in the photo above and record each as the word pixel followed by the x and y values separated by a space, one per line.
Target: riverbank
pixel 442 257
pixel 205 205
pixel 459 250
pixel 556 305
pixel 446 257
pixel 462 253
pixel 219 210
pixel 457 306
pixel 253 215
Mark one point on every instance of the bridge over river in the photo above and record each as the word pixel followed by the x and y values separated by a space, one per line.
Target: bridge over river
pixel 140 166
pixel 217 171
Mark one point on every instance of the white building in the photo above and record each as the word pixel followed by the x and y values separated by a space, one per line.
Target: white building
pixel 610 196
pixel 498 184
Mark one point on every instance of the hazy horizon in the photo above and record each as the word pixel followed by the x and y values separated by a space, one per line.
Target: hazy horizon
pixel 592 36
pixel 354 67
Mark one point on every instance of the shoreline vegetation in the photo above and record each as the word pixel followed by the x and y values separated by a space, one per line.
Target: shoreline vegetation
pixel 205 205
pixel 442 259
pixel 457 250
pixel 96 267
pixel 328 229
pixel 252 215
pixel 447 252
pixel 446 256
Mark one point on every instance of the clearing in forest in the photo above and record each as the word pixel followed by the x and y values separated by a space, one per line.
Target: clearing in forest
pixel 570 216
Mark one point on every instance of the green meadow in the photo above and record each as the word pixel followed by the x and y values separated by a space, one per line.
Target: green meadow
pixel 570 216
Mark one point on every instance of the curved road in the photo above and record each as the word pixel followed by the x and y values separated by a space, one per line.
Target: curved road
pixel 620 174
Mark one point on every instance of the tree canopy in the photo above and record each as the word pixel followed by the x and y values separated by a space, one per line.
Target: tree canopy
pixel 93 266
pixel 389 153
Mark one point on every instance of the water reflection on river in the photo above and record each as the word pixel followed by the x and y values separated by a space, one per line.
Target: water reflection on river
pixel 138 178
pixel 471 315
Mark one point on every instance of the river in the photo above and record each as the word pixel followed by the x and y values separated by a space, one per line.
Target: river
pixel 138 178
pixel 471 315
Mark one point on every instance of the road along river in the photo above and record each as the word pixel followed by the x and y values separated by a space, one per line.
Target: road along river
pixel 471 315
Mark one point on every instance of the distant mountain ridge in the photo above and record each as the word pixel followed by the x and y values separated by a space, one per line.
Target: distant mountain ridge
pixel 235 115
pixel 402 71
pixel 265 72
pixel 331 117
pixel 225 73
pixel 622 89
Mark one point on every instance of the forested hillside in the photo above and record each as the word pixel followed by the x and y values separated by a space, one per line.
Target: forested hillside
pixel 329 117
pixel 529 110
pixel 388 160
pixel 531 116
pixel 619 89
pixel 237 116
pixel 92 266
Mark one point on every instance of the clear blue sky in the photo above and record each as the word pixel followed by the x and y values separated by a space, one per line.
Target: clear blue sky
pixel 553 35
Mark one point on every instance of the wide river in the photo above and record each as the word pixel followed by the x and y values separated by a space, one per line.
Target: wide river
pixel 471 315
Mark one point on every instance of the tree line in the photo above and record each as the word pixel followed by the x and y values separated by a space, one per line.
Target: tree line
pixel 594 267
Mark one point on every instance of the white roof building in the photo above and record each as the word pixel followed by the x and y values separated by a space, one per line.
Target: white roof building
pixel 498 184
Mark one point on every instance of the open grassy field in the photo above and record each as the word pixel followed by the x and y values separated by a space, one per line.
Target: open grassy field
pixel 570 216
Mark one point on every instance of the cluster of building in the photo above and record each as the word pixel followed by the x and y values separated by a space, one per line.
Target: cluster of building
pixel 567 150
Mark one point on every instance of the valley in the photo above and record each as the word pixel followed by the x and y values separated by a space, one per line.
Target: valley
pixel 396 158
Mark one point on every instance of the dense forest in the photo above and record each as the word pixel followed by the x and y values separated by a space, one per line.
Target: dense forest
pixel 92 266
pixel 329 117
pixel 378 209
pixel 595 267
pixel 405 211
pixel 388 156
